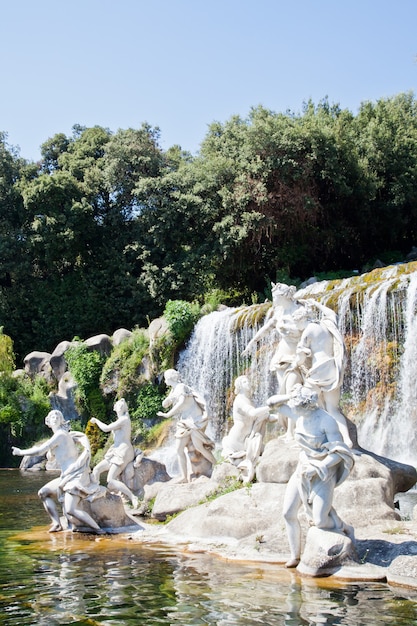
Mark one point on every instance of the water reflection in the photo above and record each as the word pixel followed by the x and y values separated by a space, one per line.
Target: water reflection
pixel 102 581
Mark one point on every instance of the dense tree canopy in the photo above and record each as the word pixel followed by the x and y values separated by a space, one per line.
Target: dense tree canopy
pixel 108 227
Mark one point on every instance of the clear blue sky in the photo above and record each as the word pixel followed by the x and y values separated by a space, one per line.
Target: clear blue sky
pixel 182 64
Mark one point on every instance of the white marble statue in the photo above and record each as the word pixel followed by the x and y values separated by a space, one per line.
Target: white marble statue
pixel 287 317
pixel 75 482
pixel 243 444
pixel 310 350
pixel 190 410
pixel 120 454
pixel 325 461
pixel 279 318
pixel 321 358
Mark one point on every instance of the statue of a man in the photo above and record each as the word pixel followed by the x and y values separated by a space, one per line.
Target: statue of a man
pixel 121 452
pixel 325 461
pixel 189 408
pixel 75 482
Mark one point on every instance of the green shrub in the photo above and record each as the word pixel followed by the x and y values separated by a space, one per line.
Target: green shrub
pixel 149 402
pixel 123 370
pixel 86 367
pixel 181 317
pixel 7 357
pixel 24 405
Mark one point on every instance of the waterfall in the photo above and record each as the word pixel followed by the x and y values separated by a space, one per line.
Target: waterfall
pixel 377 317
pixel 213 358
pixel 391 430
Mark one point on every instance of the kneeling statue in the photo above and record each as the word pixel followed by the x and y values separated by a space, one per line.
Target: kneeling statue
pixel 75 482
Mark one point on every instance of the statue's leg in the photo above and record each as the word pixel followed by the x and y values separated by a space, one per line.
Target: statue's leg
pixel 47 494
pixel 322 503
pixel 291 506
pixel 182 459
pixel 331 401
pixel 115 485
pixel 291 378
pixel 71 506
pixel 101 467
pixel 199 446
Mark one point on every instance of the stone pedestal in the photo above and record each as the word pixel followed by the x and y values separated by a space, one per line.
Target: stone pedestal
pixel 109 513
pixel 326 552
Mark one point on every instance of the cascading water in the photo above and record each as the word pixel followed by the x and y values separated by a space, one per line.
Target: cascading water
pixel 211 361
pixel 392 430
pixel 377 317
pixel 213 358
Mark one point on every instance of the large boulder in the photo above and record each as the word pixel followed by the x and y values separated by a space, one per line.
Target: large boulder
pixel 109 513
pixel 172 497
pixel 36 363
pixel 147 472
pixel 157 329
pixel 64 399
pixel 57 359
pixel 102 343
pixel 120 335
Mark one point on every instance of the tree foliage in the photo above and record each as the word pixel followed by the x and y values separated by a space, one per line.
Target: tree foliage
pixel 109 227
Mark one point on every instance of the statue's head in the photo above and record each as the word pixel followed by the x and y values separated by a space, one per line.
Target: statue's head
pixel 241 382
pixel 282 291
pixel 302 315
pixel 171 376
pixel 55 418
pixel 305 397
pixel 120 406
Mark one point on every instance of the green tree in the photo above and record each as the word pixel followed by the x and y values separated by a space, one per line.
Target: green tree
pixel 386 142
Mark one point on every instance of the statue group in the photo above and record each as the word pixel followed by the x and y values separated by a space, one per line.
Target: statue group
pixel 77 483
pixel 308 365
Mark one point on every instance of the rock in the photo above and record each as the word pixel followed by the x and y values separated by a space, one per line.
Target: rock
pixel 249 511
pixel 157 328
pixel 120 335
pixel 325 552
pixel 278 461
pixel 173 498
pixel 33 463
pixel 37 363
pixel 57 360
pixel 64 399
pixel 101 343
pixel 403 570
pixel 147 472
pixel 109 513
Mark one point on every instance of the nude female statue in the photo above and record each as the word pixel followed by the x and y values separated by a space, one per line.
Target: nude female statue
pixel 242 445
pixel 75 482
pixel 190 409
pixel 121 452
pixel 320 357
pixel 288 317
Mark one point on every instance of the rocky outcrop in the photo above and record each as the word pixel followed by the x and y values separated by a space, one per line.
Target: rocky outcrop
pixel 247 523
